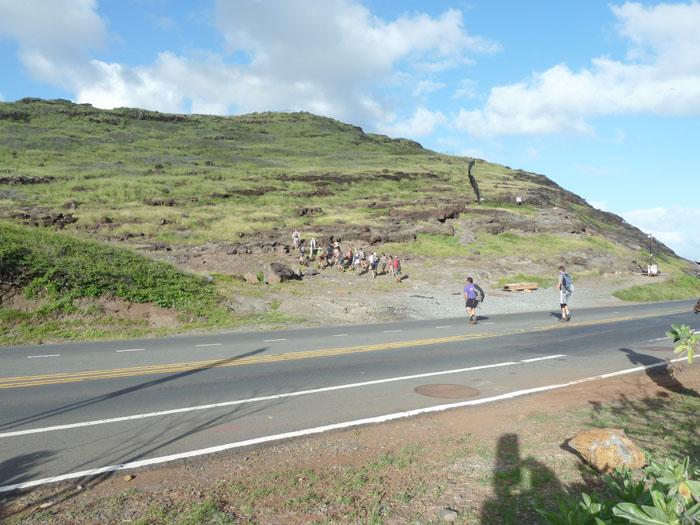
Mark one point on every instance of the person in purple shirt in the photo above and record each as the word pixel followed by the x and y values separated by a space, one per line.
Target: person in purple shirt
pixel 470 298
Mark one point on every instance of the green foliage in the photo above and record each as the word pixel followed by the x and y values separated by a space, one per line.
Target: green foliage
pixel 680 287
pixel 62 268
pixel 685 341
pixel 668 493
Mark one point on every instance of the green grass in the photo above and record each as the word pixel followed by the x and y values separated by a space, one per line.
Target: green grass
pixel 542 282
pixel 680 287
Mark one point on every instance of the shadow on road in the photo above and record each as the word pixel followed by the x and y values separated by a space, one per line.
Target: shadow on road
pixel 658 374
pixel 132 446
pixel 136 388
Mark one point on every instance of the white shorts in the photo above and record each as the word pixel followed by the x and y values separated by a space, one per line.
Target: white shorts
pixel 564 297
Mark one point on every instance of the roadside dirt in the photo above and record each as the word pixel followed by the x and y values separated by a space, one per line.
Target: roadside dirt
pixel 488 464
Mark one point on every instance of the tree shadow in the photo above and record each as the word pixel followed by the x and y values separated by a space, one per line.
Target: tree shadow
pixel 124 391
pixel 20 464
pixel 657 371
pixel 131 445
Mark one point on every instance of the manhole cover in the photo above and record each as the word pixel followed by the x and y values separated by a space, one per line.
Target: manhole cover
pixel 658 348
pixel 446 391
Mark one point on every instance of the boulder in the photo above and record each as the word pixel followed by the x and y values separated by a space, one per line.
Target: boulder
pixel 251 278
pixel 608 448
pixel 276 273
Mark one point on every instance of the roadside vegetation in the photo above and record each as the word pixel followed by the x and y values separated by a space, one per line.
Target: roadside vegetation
pixel 677 287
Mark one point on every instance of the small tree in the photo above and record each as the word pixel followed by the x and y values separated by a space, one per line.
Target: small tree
pixel 686 344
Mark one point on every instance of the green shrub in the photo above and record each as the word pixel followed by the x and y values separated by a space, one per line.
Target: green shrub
pixel 63 268
pixel 681 287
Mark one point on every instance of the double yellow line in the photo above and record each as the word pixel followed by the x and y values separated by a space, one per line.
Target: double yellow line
pixel 182 368
pixel 175 368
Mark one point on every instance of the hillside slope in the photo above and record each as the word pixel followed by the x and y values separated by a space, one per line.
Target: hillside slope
pixel 221 196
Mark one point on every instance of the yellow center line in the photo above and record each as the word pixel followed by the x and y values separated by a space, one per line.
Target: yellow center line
pixel 91 375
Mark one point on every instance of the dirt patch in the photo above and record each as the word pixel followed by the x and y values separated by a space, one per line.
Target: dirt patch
pixel 476 461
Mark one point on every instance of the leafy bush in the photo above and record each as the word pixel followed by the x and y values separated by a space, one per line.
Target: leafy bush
pixel 64 268
pixel 669 493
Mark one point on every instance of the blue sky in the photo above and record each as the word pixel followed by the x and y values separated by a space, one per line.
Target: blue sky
pixel 603 98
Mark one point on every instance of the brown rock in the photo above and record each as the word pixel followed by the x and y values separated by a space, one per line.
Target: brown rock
pixel 608 448
pixel 128 477
pixel 251 278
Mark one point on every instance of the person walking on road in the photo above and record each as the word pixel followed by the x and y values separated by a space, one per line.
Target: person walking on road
pixel 470 298
pixel 564 287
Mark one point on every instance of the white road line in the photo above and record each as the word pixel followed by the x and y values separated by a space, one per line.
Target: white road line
pixel 211 344
pixel 446 326
pixel 392 331
pixel 340 335
pixel 659 339
pixel 542 358
pixel 490 322
pixel 318 430
pixel 252 400
pixel 132 350
pixel 273 340
pixel 47 355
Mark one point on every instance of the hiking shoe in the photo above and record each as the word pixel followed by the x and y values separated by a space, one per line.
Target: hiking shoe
pixel 562 319
pixel 568 318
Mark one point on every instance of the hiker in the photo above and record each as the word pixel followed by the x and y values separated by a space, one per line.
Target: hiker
pixel 470 300
pixel 295 239
pixel 564 287
pixel 383 263
pixel 373 263
pixel 363 259
pixel 312 247
pixel 697 307
pixel 391 264
pixel 397 269
pixel 302 256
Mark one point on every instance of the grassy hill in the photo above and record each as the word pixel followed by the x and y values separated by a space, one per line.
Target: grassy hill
pixel 154 183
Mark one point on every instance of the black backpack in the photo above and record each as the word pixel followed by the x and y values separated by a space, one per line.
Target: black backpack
pixel 479 294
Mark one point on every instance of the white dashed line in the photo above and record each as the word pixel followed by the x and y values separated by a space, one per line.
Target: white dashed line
pixel 490 322
pixel 211 344
pixel 340 335
pixel 392 331
pixel 542 358
pixel 273 340
pixel 446 326
pixel 47 355
pixel 132 350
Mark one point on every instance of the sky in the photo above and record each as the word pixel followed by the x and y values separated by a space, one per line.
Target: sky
pixel 603 98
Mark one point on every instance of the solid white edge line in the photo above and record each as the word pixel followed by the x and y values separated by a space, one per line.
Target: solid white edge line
pixel 340 335
pixel 542 358
pixel 392 331
pixel 131 350
pixel 47 355
pixel 244 401
pixel 211 344
pixel 446 326
pixel 272 340
pixel 316 430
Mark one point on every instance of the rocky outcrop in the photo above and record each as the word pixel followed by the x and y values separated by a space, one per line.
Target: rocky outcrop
pixel 608 448
pixel 276 273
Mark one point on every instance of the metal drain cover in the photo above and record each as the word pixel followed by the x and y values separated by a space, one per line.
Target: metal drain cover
pixel 446 391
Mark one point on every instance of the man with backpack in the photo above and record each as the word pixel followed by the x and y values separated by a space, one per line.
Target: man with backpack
pixel 470 298
pixel 564 286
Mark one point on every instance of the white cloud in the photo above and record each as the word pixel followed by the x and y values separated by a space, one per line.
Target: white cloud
pixel 422 123
pixel 601 205
pixel 54 37
pixel 426 87
pixel 677 226
pixel 467 89
pixel 332 58
pixel 2 97
pixel 660 76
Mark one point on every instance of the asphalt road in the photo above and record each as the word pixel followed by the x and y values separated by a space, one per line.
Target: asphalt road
pixel 75 410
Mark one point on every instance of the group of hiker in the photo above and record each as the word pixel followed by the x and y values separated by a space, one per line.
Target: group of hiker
pixel 355 259
pixel 359 261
